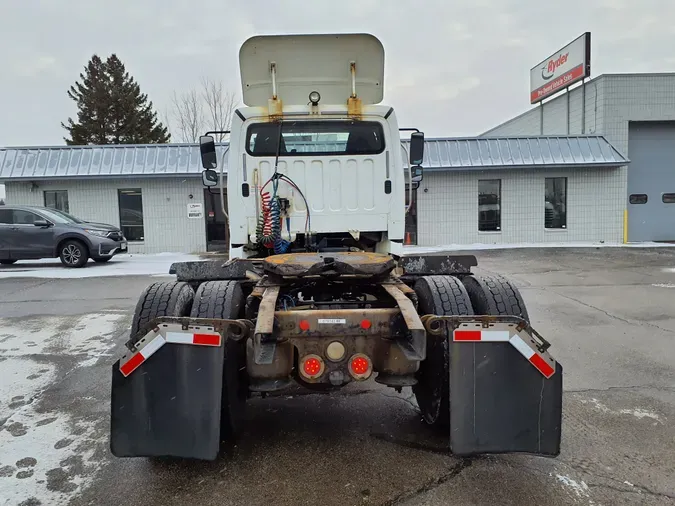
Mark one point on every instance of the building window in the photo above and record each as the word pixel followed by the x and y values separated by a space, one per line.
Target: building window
pixel 131 214
pixel 637 198
pixel 668 198
pixel 57 200
pixel 489 205
pixel 555 202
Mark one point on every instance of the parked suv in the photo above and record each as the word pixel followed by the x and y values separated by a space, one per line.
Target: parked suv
pixel 31 232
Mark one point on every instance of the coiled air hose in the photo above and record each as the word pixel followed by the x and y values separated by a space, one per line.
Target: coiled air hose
pixel 268 231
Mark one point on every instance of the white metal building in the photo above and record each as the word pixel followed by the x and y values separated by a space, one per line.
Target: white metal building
pixel 636 114
pixel 150 191
pixel 474 191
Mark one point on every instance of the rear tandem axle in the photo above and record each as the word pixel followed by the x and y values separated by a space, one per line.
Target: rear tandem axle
pixel 462 342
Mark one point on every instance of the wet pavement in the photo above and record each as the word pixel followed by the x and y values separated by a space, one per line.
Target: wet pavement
pixel 609 313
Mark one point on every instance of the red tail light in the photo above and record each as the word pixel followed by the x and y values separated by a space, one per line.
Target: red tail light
pixel 360 366
pixel 312 366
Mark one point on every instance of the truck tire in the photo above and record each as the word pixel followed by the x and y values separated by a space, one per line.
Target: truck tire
pixel 172 298
pixel 225 299
pixel 495 295
pixel 442 296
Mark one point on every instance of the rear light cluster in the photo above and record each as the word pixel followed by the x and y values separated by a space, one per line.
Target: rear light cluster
pixel 313 366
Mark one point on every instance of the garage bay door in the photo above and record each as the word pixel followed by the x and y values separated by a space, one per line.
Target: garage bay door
pixel 651 181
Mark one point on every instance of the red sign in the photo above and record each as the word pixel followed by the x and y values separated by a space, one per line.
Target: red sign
pixel 562 69
pixel 561 82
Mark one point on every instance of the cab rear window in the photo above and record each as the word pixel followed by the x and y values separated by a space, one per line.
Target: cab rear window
pixel 304 138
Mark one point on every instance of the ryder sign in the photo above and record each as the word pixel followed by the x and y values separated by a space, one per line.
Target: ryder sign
pixel 562 69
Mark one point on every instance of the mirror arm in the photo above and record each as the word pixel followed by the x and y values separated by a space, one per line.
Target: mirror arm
pixel 407 162
pixel 222 186
pixel 217 132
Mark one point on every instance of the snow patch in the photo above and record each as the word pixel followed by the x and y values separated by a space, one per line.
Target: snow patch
pixel 636 412
pixel 120 265
pixel 414 250
pixel 664 285
pixel 22 380
pixel 641 413
pixel 61 470
pixel 598 405
pixel 89 335
pixel 580 489
pixel 48 455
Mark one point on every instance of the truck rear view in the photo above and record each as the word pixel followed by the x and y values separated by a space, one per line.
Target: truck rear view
pixel 319 290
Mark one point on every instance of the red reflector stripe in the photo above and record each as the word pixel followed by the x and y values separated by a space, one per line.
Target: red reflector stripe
pixel 467 335
pixel 206 339
pixel 133 364
pixel 542 365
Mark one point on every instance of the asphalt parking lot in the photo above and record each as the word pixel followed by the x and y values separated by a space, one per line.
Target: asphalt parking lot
pixel 609 313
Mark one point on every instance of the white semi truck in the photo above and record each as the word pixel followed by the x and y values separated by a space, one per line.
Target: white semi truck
pixel 319 290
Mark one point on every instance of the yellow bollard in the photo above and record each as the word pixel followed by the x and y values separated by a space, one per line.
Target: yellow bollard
pixel 625 226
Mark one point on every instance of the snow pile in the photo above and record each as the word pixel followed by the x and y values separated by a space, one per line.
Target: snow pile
pixel 49 449
pixel 120 265
pixel 413 250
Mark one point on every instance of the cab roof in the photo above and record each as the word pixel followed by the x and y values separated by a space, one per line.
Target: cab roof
pixel 306 63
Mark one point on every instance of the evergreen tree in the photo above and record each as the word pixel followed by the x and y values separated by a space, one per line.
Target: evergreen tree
pixel 111 108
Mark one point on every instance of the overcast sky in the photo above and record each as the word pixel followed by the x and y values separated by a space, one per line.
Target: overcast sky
pixel 452 67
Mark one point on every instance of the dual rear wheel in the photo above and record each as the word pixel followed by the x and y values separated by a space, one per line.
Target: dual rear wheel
pixel 450 296
pixel 213 299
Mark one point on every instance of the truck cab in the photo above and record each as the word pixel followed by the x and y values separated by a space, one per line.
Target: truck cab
pixel 314 162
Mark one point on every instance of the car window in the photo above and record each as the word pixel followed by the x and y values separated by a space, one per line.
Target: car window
pixel 5 216
pixel 58 217
pixel 22 217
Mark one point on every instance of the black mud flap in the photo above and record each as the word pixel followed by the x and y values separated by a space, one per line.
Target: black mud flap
pixel 500 403
pixel 170 405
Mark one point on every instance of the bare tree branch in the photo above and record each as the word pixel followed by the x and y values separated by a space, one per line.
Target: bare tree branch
pixel 196 112
pixel 165 118
pixel 188 111
pixel 220 105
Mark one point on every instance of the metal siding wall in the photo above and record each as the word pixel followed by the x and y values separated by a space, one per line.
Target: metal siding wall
pixel 166 225
pixel 448 211
pixel 555 114
pixel 525 124
pixel 636 98
pixel 611 102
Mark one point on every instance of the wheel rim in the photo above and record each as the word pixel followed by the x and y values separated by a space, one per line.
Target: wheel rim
pixel 71 254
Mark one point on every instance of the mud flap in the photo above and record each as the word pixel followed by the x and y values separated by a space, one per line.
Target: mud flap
pixel 170 405
pixel 500 403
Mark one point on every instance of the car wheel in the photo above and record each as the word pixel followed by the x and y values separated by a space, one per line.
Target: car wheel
pixel 7 262
pixel 73 254
pixel 102 260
